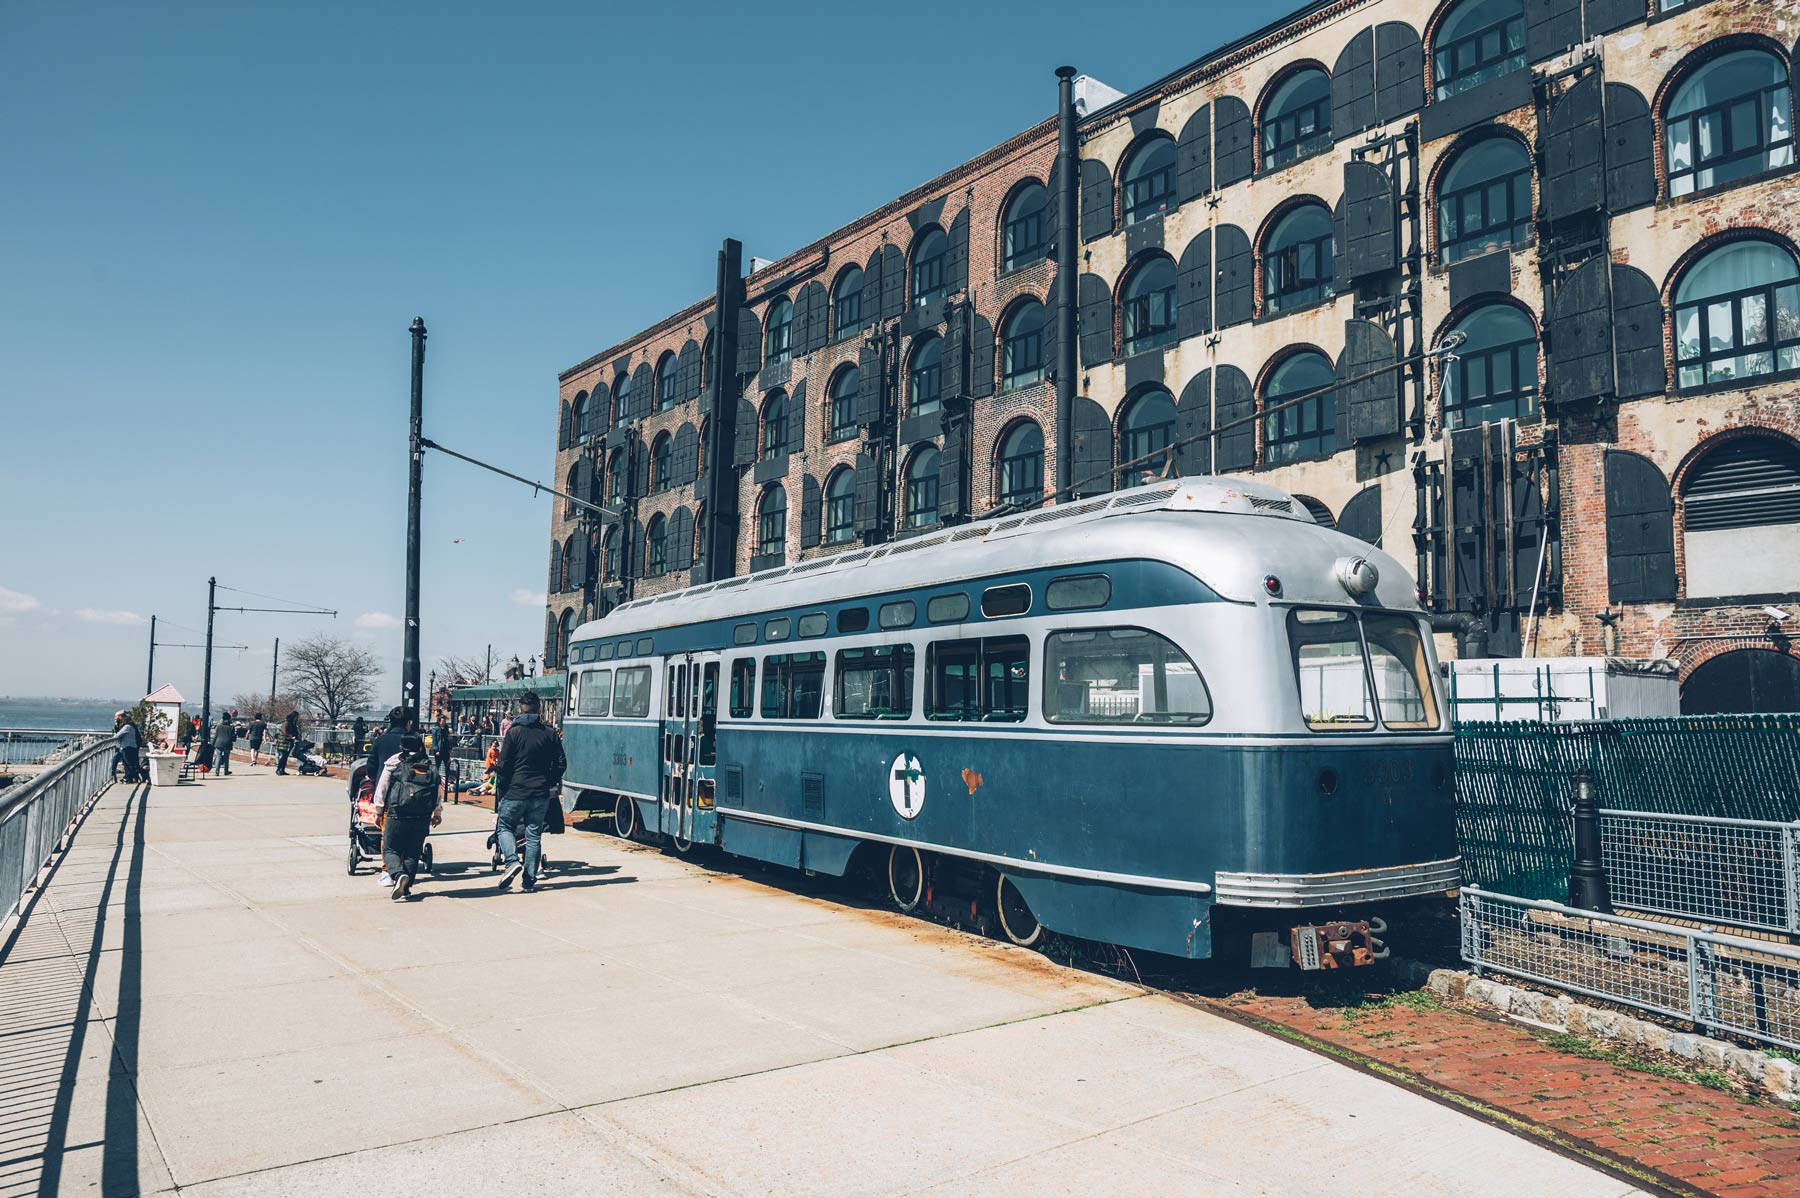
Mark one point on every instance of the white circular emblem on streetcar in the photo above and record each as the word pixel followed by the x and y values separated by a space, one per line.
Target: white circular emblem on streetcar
pixel 906 786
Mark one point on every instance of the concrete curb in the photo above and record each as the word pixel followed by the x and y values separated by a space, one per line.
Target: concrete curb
pixel 1774 1076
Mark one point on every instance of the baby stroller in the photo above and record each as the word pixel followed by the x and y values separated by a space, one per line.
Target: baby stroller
pixel 365 824
pixel 304 759
pixel 553 825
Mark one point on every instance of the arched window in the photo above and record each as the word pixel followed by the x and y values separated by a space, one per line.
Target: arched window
pixel 578 417
pixel 922 489
pixel 775 425
pixel 1022 233
pixel 1297 260
pixel 565 628
pixel 1022 347
pixel 1297 118
pixel 1730 119
pixel 668 391
pixel 564 564
pixel 1737 315
pixel 847 303
pixel 661 455
pixel 778 338
pixel 1478 40
pixel 1494 376
pixel 656 557
pixel 1305 428
pixel 1144 437
pixel 1021 465
pixel 609 554
pixel 928 280
pixel 924 378
pixel 1741 519
pixel 771 522
pixel 840 506
pixel 616 475
pixel 846 384
pixel 1150 306
pixel 1149 180
pixel 1484 200
pixel 621 398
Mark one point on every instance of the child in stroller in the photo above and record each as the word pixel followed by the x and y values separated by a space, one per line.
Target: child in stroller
pixel 306 761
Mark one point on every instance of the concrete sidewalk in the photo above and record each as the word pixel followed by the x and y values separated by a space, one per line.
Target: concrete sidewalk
pixel 201 998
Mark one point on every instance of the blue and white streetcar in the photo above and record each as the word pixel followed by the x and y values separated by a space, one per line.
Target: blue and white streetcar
pixel 1170 715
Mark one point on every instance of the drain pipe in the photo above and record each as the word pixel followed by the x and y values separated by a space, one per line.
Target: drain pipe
pixel 1471 632
pixel 1068 177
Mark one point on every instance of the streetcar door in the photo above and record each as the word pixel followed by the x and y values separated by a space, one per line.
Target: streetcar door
pixel 703 747
pixel 674 746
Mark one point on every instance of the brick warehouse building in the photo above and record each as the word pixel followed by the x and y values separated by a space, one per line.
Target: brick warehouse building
pixel 1510 287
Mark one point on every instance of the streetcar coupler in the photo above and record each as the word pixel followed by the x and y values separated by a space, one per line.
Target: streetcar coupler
pixel 1340 944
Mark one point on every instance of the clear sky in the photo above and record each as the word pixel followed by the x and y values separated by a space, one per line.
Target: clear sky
pixel 218 219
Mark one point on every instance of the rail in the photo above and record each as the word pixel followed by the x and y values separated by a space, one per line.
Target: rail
pixel 1715 981
pixel 37 746
pixel 1736 871
pixel 36 818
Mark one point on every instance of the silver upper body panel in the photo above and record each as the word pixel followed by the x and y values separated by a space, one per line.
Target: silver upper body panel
pixel 1230 533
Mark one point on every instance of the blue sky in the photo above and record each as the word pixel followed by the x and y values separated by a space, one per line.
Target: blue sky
pixel 218 220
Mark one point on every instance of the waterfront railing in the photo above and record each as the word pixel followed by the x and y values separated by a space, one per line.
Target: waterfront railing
pixel 37 818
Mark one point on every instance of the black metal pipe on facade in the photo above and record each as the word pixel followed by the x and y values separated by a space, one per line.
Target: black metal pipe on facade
pixel 719 486
pixel 1068 177
pixel 1470 629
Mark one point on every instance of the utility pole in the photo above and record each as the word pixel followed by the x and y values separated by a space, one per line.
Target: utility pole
pixel 415 453
pixel 212 588
pixel 274 667
pixel 487 671
pixel 150 670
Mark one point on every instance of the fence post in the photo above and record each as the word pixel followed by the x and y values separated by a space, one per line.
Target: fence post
pixel 1587 875
pixel 1790 875
pixel 1702 985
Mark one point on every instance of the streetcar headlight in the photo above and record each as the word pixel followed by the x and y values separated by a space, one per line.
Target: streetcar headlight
pixel 1357 574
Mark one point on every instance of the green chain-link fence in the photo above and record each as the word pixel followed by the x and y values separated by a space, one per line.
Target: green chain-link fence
pixel 1513 795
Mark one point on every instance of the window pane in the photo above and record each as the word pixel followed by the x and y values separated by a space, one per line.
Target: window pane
pixel 596 692
pixel 743 687
pixel 1014 600
pixel 631 691
pixel 947 609
pixel 900 614
pixel 1078 593
pixel 1401 670
pixel 874 683
pixel 813 625
pixel 1328 663
pixel 1120 676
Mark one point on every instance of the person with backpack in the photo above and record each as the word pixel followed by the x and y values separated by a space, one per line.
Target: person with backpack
pixel 527 781
pixel 410 798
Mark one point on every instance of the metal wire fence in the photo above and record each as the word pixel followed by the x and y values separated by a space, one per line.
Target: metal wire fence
pixel 1718 982
pixel 1740 872
pixel 35 817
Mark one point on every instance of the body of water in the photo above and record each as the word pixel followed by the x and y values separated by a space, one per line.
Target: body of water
pixel 95 714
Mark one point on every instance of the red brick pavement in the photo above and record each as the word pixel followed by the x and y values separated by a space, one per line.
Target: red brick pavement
pixel 1698 1139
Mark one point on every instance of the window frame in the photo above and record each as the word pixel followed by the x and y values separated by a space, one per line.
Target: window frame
pixel 1023 238
pixel 771 523
pixel 1140 329
pixel 895 671
pixel 1280 141
pixel 840 402
pixel 1773 346
pixel 778 335
pixel 927 276
pixel 1022 361
pixel 1320 441
pixel 1286 287
pixel 987 651
pixel 656 547
pixel 1446 83
pixel 1526 402
pixel 847 306
pixel 1724 109
pixel 662 458
pixel 1515 230
pixel 774 426
pixel 921 506
pixel 929 378
pixel 1144 193
pixel 1012 467
pixel 1055 714
pixel 668 383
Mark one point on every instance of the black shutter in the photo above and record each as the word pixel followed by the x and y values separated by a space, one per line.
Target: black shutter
pixel 1193 156
pixel 1233 139
pixel 1370 408
pixel 555 583
pixel 953 474
pixel 954 375
pixel 1095 320
pixel 600 409
pixel 956 265
pixel 1572 152
pixel 1609 16
pixel 796 417
pixel 1630 150
pixel 640 468
pixel 1096 199
pixel 581 481
pixel 1637 329
pixel 1193 287
pixel 1193 421
pixel 684 458
pixel 743 449
pixel 1551 26
pixel 1235 447
pixel 1640 530
pixel 893 284
pixel 871 288
pixel 1051 299
pixel 687 372
pixel 1361 517
pixel 1581 363
pixel 1371 221
pixel 1052 210
pixel 565 432
pixel 810 512
pixel 1523 537
pixel 1235 295
pixel 868 395
pixel 635 557
pixel 868 495
pixel 1399 72
pixel 749 344
pixel 578 563
pixel 818 317
pixel 643 390
pixel 981 356
pixel 1340 256
pixel 1092 460
pixel 681 537
pixel 1353 87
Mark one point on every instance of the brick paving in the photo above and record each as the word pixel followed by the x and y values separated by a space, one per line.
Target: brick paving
pixel 1695 1138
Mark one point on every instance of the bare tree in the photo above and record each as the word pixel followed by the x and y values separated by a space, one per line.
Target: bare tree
pixel 329 676
pixel 246 704
pixel 459 671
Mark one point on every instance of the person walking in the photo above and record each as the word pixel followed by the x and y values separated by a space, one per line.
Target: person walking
pixel 527 781
pixel 361 730
pixel 258 727
pixel 411 801
pixel 224 736
pixel 284 744
pixel 389 743
pixel 130 741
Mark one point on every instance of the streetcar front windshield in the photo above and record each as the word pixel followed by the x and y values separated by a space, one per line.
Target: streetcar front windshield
pixel 1353 666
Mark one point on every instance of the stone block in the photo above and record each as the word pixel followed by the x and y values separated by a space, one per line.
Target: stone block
pixel 1685 1045
pixel 1782 1078
pixel 1655 1035
pixel 1451 983
pixel 1712 1053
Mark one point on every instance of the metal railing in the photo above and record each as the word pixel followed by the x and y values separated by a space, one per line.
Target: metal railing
pixel 35 746
pixel 1735 871
pixel 36 817
pixel 1717 982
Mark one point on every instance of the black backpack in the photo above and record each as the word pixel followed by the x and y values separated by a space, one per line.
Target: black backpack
pixel 416 790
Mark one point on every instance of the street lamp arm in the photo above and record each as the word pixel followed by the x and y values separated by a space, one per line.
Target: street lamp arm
pixel 598 509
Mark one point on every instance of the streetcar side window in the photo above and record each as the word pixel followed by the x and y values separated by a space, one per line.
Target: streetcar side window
pixel 1078 592
pixel 574 688
pixel 986 680
pixel 793 686
pixel 744 634
pixel 631 691
pixel 1012 600
pixel 596 692
pixel 873 683
pixel 743 687
pixel 853 619
pixel 643 646
pixel 947 609
pixel 1121 676
pixel 776 630
pixel 1401 669
pixel 899 614
pixel 606 651
pixel 813 624
pixel 1328 661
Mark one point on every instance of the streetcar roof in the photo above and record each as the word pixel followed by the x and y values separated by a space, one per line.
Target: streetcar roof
pixel 1247 532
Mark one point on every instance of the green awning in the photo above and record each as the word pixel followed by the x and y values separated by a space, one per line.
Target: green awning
pixel 547 686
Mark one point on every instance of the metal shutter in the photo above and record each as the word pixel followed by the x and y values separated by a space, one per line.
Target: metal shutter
pixel 578 564
pixel 1608 16
pixel 955 367
pixel 1193 421
pixel 636 559
pixel 643 390
pixel 810 512
pixel 953 474
pixel 685 459
pixel 1371 221
pixel 687 373
pixel 1234 296
pixel 555 583
pixel 1753 480
pixel 1581 362
pixel 868 395
pixel 981 356
pixel 1093 448
pixel 1630 150
pixel 1353 87
pixel 1640 531
pixel 1051 299
pixel 1193 156
pixel 681 534
pixel 581 480
pixel 1095 320
pixel 743 449
pixel 1361 517
pixel 893 285
pixel 1235 447
pixel 1096 199
pixel 1370 408
pixel 871 288
pixel 796 418
pixel 640 468
pixel 749 342
pixel 1399 72
pixel 562 429
pixel 1637 329
pixel 1551 26
pixel 868 495
pixel 1193 287
pixel 1572 152
pixel 600 409
pixel 956 265
pixel 1234 138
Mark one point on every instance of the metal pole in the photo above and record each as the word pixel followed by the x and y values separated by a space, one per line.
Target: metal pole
pixel 1587 875
pixel 1068 162
pixel 212 585
pixel 487 671
pixel 274 668
pixel 150 670
pixel 415 452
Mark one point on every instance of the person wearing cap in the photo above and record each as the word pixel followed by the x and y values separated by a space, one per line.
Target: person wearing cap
pixel 400 723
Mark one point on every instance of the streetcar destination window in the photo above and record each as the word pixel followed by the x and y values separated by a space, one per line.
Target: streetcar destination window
pixel 813 624
pixel 776 630
pixel 899 615
pixel 643 646
pixel 947 609
pixel 596 692
pixel 1014 600
pixel 606 651
pixel 631 691
pixel 744 634
pixel 874 683
pixel 793 686
pixel 743 687
pixel 1121 676
pixel 853 619
pixel 985 680
pixel 1351 665
pixel 624 648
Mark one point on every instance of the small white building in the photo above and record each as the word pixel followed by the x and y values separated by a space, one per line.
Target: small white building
pixel 167 701
pixel 1563 688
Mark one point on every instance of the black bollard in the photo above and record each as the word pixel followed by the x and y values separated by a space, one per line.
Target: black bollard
pixel 1587 876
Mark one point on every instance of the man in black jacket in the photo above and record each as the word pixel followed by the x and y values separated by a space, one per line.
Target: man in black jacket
pixel 527 780
pixel 390 742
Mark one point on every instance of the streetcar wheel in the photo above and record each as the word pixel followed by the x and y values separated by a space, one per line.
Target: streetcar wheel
pixel 906 877
pixel 625 817
pixel 1016 920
